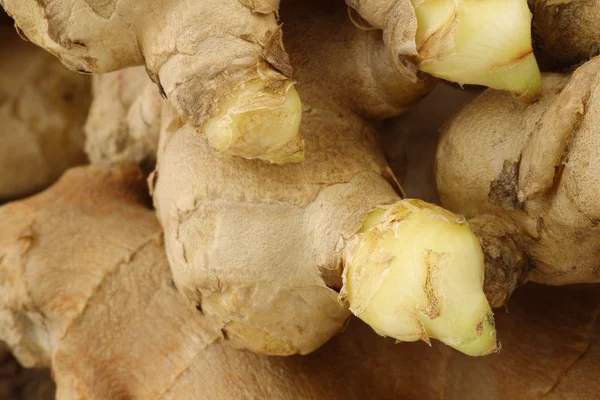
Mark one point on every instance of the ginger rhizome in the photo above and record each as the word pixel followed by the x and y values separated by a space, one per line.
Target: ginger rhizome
pixel 527 177
pixel 404 245
pixel 43 107
pixel 115 326
pixel 246 238
pixel 466 41
pixel 124 119
pixel 221 65
pixel 565 32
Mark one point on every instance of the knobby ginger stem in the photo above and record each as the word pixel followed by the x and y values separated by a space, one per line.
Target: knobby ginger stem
pixel 483 42
pixel 260 119
pixel 415 271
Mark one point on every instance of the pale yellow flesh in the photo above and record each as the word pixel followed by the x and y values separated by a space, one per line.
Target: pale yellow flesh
pixel 415 271
pixel 478 42
pixel 255 123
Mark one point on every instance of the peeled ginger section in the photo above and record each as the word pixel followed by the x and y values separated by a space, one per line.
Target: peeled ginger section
pixel 414 272
pixel 483 42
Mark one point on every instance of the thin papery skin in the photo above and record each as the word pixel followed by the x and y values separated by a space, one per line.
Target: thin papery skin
pixel 195 51
pixel 43 107
pixel 415 272
pixel 469 42
pixel 565 32
pixel 106 298
pixel 246 238
pixel 124 119
pixel 530 171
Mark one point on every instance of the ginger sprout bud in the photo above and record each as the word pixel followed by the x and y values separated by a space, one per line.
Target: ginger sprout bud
pixel 260 119
pixel 482 42
pixel 415 271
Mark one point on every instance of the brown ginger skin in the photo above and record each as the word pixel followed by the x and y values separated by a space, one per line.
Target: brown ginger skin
pixel 245 238
pixel 458 40
pixel 566 32
pixel 527 176
pixel 43 107
pixel 197 52
pixel 124 119
pixel 98 306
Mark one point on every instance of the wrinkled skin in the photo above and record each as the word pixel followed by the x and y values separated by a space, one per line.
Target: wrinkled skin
pixel 123 122
pixel 527 177
pixel 195 51
pixel 245 238
pixel 113 318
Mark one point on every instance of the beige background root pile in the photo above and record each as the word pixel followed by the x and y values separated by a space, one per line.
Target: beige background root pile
pixel 196 51
pixel 124 119
pixel 530 174
pixel 43 107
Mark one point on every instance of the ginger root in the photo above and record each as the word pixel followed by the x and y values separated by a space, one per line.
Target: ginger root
pixel 565 32
pixel 43 107
pixel 124 119
pixel 245 239
pixel 101 310
pixel 465 41
pixel 527 177
pixel 221 64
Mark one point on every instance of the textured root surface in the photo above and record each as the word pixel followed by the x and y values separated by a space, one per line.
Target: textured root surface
pixel 43 107
pixel 534 168
pixel 245 237
pixel 566 32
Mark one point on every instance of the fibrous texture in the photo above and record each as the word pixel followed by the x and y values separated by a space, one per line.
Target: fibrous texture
pixel 566 32
pixel 245 238
pixel 124 118
pixel 220 60
pixel 43 107
pixel 527 175
pixel 101 310
pixel 466 41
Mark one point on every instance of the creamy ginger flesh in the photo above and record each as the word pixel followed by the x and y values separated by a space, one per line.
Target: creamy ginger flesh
pixel 254 122
pixel 415 271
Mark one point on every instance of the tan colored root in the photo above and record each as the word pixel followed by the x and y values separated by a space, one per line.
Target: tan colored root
pixel 535 169
pixel 120 330
pixel 42 108
pixel 565 32
pixel 246 238
pixel 197 52
pixel 124 119
pixel 463 41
